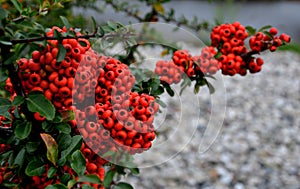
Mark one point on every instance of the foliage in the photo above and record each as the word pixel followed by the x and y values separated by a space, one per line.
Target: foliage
pixel 46 140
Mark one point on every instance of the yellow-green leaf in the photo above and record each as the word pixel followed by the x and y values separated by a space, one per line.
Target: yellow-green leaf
pixel 52 147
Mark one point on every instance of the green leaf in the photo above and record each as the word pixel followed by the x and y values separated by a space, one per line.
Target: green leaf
pixel 5 105
pixel 4 156
pixel 5 42
pixel 169 90
pixel 63 141
pixel 112 25
pixel 32 146
pixel 65 178
pixel 78 162
pixel 17 5
pixel 52 148
pixel 210 87
pixel 51 172
pixel 251 31
pixel 94 23
pixel 3 74
pixel 56 186
pixel 47 126
pixel 3 13
pixel 161 103
pixel 18 100
pixel 91 178
pixel 20 157
pixel 123 185
pixel 37 102
pixel 108 178
pixel 68 115
pixel 22 129
pixel 71 183
pixel 85 186
pixel 100 31
pixel 74 145
pixel 265 28
pixel 61 53
pixel 134 171
pixel 268 34
pixel 63 128
pixel 35 168
pixel 65 22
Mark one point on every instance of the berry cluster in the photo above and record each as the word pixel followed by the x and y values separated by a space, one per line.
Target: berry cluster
pixel 184 63
pixel 206 62
pixel 229 40
pixel 261 41
pixel 55 79
pixel 124 118
pixel 235 57
pixel 168 71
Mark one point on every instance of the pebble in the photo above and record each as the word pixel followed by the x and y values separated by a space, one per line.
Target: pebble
pixel 258 145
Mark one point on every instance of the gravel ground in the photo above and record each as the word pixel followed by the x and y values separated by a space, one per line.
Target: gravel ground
pixel 258 145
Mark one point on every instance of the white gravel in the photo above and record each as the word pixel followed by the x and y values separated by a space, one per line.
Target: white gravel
pixel 259 143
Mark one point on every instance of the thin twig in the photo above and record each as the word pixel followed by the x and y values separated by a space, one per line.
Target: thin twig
pixel 42 38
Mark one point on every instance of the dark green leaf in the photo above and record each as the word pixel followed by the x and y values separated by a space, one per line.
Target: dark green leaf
pixel 63 141
pixel 251 31
pixel 35 168
pixel 123 185
pixel 169 90
pixel 56 186
pixel 65 22
pixel 75 145
pixel 3 13
pixel 61 161
pixel 61 53
pixel 37 102
pixel 4 156
pixel 32 146
pixel 160 90
pixel 17 5
pixel 63 128
pixel 5 105
pixel 20 157
pixel 134 171
pixel 3 74
pixel 18 100
pixel 78 162
pixel 89 178
pixel 22 128
pixel 196 89
pixel 47 126
pixel 51 172
pixel 108 178
pixel 64 179
pixel 52 148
